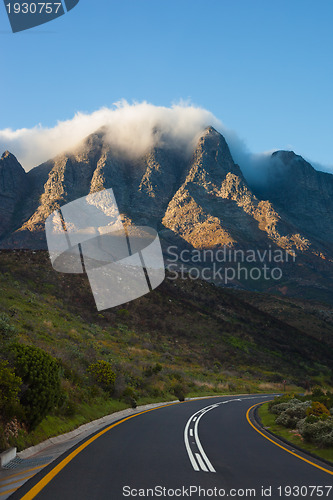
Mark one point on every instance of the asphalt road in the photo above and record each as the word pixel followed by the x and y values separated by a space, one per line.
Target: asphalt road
pixel 172 451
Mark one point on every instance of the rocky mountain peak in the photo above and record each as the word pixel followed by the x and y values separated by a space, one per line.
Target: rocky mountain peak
pixel 12 187
pixel 212 159
pixel 11 174
pixel 289 163
pixel 8 160
pixel 7 154
pixel 203 200
pixel 301 194
pixel 213 142
pixel 285 156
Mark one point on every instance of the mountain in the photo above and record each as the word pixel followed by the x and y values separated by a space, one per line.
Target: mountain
pixel 302 193
pixel 199 202
pixel 12 187
pixel 214 205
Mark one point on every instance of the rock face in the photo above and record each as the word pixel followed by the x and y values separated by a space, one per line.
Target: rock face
pixel 12 187
pixel 302 194
pixel 204 201
pixel 215 207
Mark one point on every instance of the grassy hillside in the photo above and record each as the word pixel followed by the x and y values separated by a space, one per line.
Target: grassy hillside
pixel 184 336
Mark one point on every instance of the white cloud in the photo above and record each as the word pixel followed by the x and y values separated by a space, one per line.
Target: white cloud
pixel 132 129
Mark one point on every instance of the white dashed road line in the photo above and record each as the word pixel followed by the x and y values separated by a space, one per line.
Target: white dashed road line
pixel 194 448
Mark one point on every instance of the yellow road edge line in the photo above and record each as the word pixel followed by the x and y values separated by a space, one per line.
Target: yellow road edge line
pixel 24 478
pixel 43 482
pixel 282 447
pixel 8 491
pixel 22 472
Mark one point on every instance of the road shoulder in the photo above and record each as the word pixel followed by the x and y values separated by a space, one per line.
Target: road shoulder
pixel 255 421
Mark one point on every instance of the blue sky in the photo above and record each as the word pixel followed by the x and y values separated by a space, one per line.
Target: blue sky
pixel 264 68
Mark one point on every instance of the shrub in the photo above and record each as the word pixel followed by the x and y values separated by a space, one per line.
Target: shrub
pixel 179 389
pixel 103 374
pixel 10 385
pixel 318 410
pixel 279 408
pixel 319 432
pixel 123 313
pixel 317 392
pixel 129 392
pixel 311 419
pixel 129 396
pixel 284 405
pixel 8 332
pixel 9 433
pixel 66 405
pixel 279 400
pixel 326 440
pixel 41 381
pixel 149 371
pixel 295 411
pixel 322 397
pixel 179 392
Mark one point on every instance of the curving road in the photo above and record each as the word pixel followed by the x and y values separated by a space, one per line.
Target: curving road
pixel 197 449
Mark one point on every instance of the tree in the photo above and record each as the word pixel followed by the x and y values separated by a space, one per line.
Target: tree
pixel 41 381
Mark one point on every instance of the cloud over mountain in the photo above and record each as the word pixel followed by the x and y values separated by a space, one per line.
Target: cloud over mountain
pixel 132 129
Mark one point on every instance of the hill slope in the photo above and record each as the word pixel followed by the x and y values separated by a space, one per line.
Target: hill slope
pixel 184 324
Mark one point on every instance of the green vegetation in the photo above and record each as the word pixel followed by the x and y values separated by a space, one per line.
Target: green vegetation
pixel 303 421
pixel 103 374
pixel 40 389
pixel 10 386
pixel 52 425
pixel 64 363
